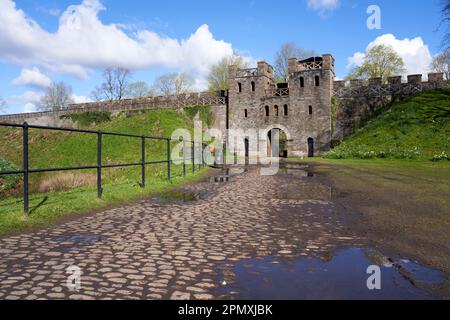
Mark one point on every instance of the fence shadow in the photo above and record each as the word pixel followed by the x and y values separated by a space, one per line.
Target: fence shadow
pixel 40 204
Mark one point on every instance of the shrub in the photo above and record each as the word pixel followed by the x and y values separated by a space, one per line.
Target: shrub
pixel 203 111
pixel 440 157
pixel 67 181
pixel 8 181
pixel 345 152
pixel 88 118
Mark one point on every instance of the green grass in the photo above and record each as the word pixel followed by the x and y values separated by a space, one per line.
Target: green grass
pixel 63 149
pixel 415 128
pixel 438 171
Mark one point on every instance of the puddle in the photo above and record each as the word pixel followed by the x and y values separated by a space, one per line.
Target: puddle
pixel 297 170
pixel 76 241
pixel 341 277
pixel 176 196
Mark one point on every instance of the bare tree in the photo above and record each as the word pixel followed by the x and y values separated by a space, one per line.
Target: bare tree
pixel 218 76
pixel 174 84
pixel 56 97
pixel 140 89
pixel 441 63
pixel 446 22
pixel 288 50
pixel 114 86
pixel 2 105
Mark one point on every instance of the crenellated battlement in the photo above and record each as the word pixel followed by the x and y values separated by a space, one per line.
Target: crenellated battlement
pixel 395 86
pixel 359 99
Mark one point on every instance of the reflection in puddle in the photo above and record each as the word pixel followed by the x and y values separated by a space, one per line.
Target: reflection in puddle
pixel 297 170
pixel 342 277
pixel 176 196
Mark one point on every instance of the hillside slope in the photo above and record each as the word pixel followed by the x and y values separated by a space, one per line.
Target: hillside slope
pixel 414 128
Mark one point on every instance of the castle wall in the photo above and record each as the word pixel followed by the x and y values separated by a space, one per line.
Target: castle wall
pixel 358 99
pixel 215 100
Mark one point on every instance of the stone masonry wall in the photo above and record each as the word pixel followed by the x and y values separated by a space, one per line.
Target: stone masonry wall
pixel 359 99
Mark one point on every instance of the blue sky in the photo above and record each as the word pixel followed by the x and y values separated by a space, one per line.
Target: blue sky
pixel 73 40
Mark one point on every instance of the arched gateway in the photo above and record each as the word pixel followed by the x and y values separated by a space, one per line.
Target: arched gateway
pixel 277 143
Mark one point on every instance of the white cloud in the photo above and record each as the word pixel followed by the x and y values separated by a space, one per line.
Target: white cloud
pixel 83 42
pixel 29 107
pixel 31 96
pixel 32 77
pixel 80 99
pixel 415 53
pixel 323 5
pixel 29 100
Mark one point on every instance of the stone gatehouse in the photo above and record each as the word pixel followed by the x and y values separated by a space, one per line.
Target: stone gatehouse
pixel 299 109
pixel 312 110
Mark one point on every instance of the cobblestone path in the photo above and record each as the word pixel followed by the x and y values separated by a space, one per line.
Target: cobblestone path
pixel 175 250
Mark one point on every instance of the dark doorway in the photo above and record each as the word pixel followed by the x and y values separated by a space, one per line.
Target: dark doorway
pixel 274 150
pixel 246 147
pixel 311 147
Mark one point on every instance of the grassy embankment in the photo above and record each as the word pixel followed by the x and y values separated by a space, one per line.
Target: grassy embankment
pixel 414 128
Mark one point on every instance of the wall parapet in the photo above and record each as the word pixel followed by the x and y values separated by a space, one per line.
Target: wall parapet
pixel 151 103
pixel 394 86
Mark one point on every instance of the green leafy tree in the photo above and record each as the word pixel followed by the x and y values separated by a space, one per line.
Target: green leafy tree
pixel 218 76
pixel 379 62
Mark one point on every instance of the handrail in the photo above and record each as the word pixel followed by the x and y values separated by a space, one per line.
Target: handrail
pixel 26 171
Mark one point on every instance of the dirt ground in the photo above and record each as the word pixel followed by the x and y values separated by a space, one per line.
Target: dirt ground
pixel 404 212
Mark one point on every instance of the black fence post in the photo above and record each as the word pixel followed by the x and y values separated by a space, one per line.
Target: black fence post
pixel 99 165
pixel 26 206
pixel 204 162
pixel 168 159
pixel 143 162
pixel 184 158
pixel 193 157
